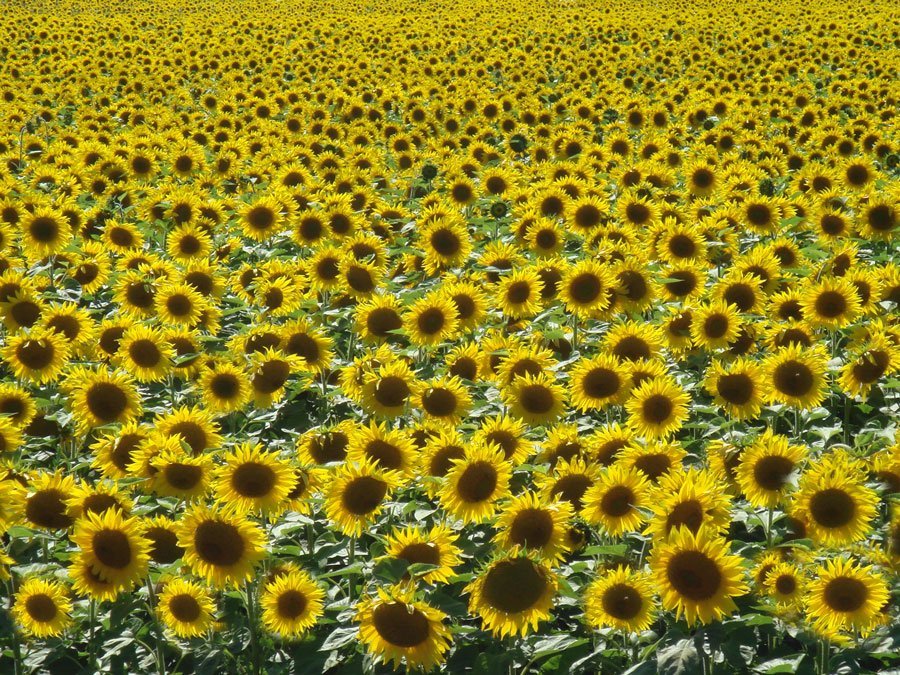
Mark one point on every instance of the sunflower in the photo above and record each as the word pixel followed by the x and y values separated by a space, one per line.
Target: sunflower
pixel 262 218
pixel 114 451
pixel 16 405
pixel 224 387
pixel 437 455
pixel 519 293
pixel 475 483
pixel 696 575
pixel 186 608
pixel 38 356
pixel 361 279
pixel 161 532
pixel 545 237
pixel 45 502
pixel 135 293
pixel 113 545
pixel 524 359
pixel 270 371
pixel 395 627
pixel 196 427
pixel 291 604
pixel 75 323
pixel 635 287
pixel 435 548
pixel 568 481
pixel 599 382
pixel 324 445
pixel 252 480
pixel 44 232
pixel 657 408
pixel 188 242
pixel 527 522
pixel 614 501
pixel 584 288
pixel 836 507
pixel 100 397
pixel 632 341
pixel 220 547
pixel 356 495
pixel 537 400
pixel 96 498
pixel 786 585
pixel 431 320
pixel 464 361
pixel 10 436
pixel 715 326
pixel 736 387
pixel 512 594
pixel 688 499
pixel 42 608
pixel 846 595
pixel 443 399
pixel 389 449
pixel 766 467
pixel 832 303
pixel 179 304
pixel 446 243
pixel 378 318
pixel 654 461
pixel 22 309
pixel 388 390
pixel 311 345
pixel 145 353
pixel 621 599
pixel 869 363
pixel 796 376
pixel 744 291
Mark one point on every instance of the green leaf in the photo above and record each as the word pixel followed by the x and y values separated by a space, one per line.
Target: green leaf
pixel 679 659
pixel 612 549
pixel 787 664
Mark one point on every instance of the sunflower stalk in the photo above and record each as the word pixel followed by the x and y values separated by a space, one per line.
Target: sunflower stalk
pixel 252 627
pixel 160 651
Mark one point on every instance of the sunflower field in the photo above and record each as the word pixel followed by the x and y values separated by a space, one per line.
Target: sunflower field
pixel 497 337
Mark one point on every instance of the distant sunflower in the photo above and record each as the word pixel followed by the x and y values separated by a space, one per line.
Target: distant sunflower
pixel 569 481
pixel 221 548
pixel 507 433
pixel 868 364
pixel 44 232
pixel 475 483
pixel 846 595
pixel 45 501
pixel 512 595
pixel 435 547
pixel 387 448
pixel 253 480
pixel 186 608
pixel 378 317
pixel 16 405
pixel 470 301
pixel 291 604
pixel 688 499
pixel 614 501
pixel 86 582
pixel 42 608
pixel 179 304
pixel 396 627
pixel 527 522
pixel 308 343
pixel 113 545
pixel 262 218
pixel 446 244
pixel 160 531
pixel 621 599
pixel 696 576
pixel 632 341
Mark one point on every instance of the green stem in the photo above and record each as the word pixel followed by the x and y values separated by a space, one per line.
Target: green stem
pixel 17 646
pixel 769 514
pixel 251 623
pixel 92 655
pixel 160 649
pixel 351 578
